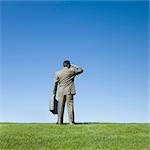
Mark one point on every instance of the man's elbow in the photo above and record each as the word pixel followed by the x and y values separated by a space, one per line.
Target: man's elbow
pixel 80 71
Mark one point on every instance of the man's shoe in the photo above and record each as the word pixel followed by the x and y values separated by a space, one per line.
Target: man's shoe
pixel 59 123
pixel 72 123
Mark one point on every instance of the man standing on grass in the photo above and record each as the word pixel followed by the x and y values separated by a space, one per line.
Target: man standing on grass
pixel 65 79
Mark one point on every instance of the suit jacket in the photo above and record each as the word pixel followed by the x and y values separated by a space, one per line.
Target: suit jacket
pixel 65 79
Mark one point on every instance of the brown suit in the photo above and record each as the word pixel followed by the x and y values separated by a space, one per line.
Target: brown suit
pixel 65 79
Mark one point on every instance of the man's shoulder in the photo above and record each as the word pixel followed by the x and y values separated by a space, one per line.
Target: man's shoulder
pixel 64 70
pixel 72 69
pixel 59 71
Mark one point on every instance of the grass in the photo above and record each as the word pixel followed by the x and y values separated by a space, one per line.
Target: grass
pixel 90 136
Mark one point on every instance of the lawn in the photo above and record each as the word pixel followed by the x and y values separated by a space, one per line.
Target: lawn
pixel 87 136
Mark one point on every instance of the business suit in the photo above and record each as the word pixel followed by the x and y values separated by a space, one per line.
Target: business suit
pixel 65 79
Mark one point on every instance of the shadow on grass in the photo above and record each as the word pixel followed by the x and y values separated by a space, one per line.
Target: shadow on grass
pixel 80 123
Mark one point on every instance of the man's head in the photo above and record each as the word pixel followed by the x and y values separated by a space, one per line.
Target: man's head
pixel 66 63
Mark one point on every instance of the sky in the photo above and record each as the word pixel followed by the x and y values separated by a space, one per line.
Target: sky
pixel 109 40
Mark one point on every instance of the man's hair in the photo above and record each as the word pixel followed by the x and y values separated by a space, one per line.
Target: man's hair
pixel 66 62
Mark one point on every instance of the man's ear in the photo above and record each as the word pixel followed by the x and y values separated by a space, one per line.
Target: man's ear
pixel 68 65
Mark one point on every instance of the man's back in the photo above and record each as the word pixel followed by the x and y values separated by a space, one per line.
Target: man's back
pixel 65 78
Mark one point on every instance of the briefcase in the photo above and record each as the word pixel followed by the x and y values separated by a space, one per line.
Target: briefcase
pixel 53 105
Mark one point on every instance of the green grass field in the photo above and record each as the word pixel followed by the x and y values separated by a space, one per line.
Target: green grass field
pixel 89 136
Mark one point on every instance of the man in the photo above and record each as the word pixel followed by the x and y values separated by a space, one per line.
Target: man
pixel 65 79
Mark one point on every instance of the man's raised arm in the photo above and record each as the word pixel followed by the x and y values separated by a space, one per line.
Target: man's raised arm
pixel 77 69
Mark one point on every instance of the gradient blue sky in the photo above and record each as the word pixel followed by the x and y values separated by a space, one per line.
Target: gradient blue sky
pixel 108 39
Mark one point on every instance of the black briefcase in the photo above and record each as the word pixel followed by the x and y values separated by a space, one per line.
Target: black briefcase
pixel 53 105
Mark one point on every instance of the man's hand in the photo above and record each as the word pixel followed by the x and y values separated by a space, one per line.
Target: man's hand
pixel 54 95
pixel 75 66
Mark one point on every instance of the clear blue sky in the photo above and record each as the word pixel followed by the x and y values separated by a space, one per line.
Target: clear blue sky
pixel 108 39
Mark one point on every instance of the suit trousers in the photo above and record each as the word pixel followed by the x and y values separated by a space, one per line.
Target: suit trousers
pixel 61 105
